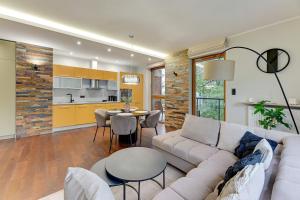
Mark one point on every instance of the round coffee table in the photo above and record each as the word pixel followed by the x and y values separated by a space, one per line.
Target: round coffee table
pixel 99 169
pixel 136 164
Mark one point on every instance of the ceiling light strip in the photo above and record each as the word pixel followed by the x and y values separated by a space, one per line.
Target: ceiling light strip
pixel 32 20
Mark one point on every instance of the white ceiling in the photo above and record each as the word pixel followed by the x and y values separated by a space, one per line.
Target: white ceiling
pixel 64 44
pixel 162 25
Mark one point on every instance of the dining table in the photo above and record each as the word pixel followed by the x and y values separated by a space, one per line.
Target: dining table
pixel 138 114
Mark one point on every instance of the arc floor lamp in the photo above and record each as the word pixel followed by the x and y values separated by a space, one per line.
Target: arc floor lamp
pixel 267 62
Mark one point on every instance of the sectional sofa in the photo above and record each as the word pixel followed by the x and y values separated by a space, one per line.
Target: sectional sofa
pixel 204 149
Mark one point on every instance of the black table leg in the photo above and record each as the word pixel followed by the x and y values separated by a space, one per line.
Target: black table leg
pixel 164 179
pixel 137 128
pixel 124 191
pixel 139 190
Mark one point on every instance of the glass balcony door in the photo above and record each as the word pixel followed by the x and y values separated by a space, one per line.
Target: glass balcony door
pixel 208 95
pixel 158 90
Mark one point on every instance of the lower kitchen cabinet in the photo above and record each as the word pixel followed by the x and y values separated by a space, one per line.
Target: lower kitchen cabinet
pixel 84 114
pixel 78 114
pixel 63 115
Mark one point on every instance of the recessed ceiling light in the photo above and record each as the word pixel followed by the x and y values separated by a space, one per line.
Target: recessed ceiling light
pixel 149 59
pixel 97 58
pixel 131 35
pixel 132 55
pixel 71 53
pixel 109 49
pixel 22 17
pixel 78 42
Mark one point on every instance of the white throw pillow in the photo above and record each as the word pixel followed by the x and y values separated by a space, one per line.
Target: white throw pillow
pixel 201 129
pixel 230 135
pixel 245 185
pixel 81 184
pixel 267 152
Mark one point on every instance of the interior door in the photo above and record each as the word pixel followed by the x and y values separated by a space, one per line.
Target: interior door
pixel 7 88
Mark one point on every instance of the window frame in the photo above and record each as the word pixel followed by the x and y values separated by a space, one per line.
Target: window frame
pixel 205 58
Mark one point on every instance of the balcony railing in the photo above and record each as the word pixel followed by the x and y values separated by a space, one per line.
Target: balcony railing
pixel 210 107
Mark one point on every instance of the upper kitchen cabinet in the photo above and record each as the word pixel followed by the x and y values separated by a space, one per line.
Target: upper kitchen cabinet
pixel 67 83
pixel 107 75
pixel 61 70
pixel 79 72
pixel 96 74
pixel 82 72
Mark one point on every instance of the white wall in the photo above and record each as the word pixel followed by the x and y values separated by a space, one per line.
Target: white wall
pixel 249 81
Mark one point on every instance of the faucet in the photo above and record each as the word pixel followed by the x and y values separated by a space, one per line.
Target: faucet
pixel 71 98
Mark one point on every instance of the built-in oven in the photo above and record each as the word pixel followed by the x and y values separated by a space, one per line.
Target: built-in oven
pixel 126 93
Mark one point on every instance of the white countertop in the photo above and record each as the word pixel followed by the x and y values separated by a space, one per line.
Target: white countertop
pixel 83 102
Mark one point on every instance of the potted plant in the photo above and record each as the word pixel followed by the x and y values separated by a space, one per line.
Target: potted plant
pixel 127 101
pixel 271 117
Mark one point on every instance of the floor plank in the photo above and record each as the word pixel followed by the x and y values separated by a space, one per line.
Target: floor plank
pixel 34 167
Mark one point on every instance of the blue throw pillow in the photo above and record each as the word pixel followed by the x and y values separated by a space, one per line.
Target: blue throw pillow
pixel 248 143
pixel 251 159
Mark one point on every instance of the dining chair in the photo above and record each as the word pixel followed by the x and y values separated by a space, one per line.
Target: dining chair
pixel 102 120
pixel 150 122
pixel 159 106
pixel 122 125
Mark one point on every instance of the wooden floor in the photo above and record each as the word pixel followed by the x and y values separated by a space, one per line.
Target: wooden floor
pixel 34 167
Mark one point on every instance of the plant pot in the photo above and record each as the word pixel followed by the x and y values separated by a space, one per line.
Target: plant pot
pixel 127 107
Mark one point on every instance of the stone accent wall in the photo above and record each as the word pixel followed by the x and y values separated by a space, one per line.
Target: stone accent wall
pixel 177 89
pixel 33 90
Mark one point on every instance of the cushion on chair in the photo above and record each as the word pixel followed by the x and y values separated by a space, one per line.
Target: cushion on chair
pixel 82 184
pixel 107 123
pixel 201 129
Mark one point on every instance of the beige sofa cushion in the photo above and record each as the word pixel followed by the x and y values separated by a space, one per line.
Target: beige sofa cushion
pixel 230 135
pixel 184 148
pixel 201 129
pixel 287 183
pixel 167 194
pixel 275 135
pixel 201 181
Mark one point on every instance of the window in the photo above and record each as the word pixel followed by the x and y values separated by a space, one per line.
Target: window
pixel 208 95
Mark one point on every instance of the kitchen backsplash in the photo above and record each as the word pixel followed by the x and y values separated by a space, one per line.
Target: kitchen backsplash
pixel 96 95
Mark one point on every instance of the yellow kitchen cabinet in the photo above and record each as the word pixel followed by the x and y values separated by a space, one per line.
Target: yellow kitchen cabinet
pixel 61 70
pixel 82 72
pixel 63 115
pixel 84 114
pixel 96 74
pixel 107 75
pixel 117 105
